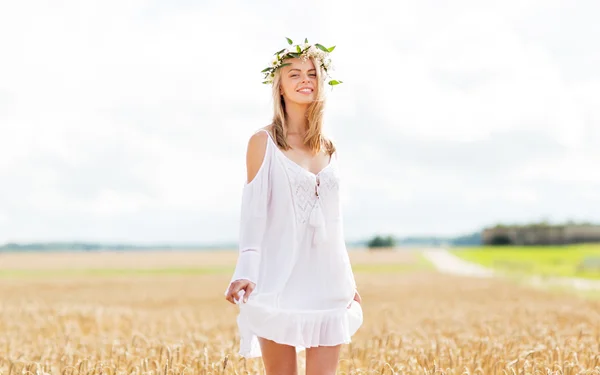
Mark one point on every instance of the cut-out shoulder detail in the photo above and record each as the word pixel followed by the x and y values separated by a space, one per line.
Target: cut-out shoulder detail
pixel 255 155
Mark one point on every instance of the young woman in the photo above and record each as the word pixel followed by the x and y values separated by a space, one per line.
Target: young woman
pixel 293 280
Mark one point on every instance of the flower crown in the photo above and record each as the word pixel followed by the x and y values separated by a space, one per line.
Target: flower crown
pixel 303 51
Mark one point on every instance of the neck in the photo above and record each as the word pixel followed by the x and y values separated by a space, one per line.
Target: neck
pixel 296 121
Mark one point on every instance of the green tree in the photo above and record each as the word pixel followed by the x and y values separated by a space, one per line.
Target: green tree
pixel 381 241
pixel 500 239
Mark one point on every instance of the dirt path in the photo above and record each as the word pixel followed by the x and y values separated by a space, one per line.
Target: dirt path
pixel 446 262
pixel 449 263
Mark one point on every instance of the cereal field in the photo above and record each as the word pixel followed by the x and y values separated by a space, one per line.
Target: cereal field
pixel 57 319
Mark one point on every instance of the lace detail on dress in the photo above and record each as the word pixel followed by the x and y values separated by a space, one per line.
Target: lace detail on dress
pixel 309 189
pixel 329 182
pixel 304 188
pixel 303 192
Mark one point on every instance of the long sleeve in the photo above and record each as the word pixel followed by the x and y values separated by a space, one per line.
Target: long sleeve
pixel 353 279
pixel 346 255
pixel 350 271
pixel 253 222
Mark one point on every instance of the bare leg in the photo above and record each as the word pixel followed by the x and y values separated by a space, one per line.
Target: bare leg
pixel 278 359
pixel 322 360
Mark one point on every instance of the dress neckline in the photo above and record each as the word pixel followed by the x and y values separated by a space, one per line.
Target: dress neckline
pixel 316 175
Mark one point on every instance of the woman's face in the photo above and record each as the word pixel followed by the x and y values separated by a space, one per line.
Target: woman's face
pixel 299 81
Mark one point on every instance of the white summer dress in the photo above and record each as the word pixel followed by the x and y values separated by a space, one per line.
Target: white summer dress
pixel 291 245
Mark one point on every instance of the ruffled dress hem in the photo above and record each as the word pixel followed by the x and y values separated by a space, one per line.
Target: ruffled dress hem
pixel 299 328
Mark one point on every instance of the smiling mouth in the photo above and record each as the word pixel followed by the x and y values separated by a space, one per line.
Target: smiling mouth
pixel 305 91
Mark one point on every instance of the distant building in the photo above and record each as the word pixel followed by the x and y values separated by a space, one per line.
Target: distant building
pixel 541 234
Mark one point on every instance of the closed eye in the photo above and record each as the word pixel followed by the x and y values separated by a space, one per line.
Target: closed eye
pixel 310 75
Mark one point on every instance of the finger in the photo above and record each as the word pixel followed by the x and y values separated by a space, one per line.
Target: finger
pixel 238 297
pixel 233 291
pixel 249 290
pixel 229 298
pixel 227 293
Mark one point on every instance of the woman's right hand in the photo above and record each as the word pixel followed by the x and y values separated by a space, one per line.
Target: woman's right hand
pixel 238 285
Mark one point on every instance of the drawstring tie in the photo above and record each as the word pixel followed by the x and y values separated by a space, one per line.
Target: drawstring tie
pixel 317 219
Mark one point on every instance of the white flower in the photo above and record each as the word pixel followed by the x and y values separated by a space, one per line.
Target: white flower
pixel 318 54
pixel 275 62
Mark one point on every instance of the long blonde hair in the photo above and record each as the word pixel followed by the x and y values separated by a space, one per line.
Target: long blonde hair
pixel 314 138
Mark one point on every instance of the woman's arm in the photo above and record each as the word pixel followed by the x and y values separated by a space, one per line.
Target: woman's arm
pixel 253 218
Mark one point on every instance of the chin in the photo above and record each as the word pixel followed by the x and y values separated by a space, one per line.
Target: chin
pixel 304 99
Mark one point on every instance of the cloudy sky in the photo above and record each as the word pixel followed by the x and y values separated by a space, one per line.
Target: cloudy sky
pixel 128 120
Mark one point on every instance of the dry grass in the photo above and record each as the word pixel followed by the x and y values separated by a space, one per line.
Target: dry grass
pixel 415 323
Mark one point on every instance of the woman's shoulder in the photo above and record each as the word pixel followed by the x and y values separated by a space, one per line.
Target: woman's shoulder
pixel 260 136
pixel 257 143
pixel 256 153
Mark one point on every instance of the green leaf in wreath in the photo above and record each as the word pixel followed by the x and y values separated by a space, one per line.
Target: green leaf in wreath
pixel 333 82
pixel 322 48
pixel 278 52
pixel 265 70
pixel 306 40
pixel 330 49
pixel 289 41
pixel 298 49
pixel 286 64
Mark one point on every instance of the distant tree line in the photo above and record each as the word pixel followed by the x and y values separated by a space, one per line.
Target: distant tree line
pixel 541 233
pixel 93 246
pixel 382 241
pixel 543 224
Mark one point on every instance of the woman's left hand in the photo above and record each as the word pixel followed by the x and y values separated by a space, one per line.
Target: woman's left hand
pixel 356 298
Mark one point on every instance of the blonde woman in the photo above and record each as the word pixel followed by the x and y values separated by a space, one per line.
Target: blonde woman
pixel 293 281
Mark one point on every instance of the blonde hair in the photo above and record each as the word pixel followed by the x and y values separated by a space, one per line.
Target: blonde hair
pixel 314 138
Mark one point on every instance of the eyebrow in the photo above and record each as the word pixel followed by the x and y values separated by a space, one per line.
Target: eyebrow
pixel 299 69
